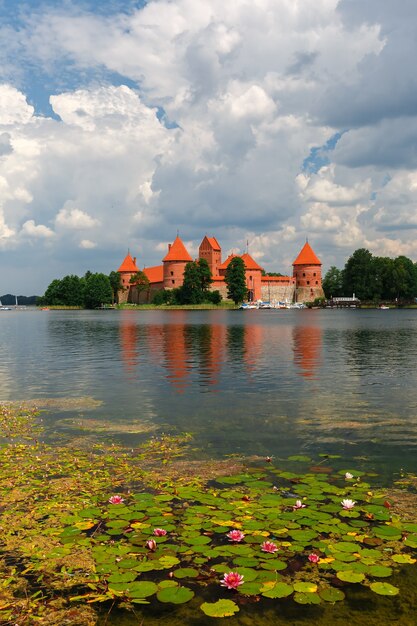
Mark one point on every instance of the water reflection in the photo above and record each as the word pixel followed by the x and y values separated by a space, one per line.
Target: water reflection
pixel 307 343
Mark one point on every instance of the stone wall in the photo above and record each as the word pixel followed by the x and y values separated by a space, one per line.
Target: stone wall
pixel 281 293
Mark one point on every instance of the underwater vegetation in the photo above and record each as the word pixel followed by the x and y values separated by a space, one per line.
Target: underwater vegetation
pixel 101 525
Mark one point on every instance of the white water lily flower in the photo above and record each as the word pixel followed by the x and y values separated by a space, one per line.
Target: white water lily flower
pixel 348 475
pixel 348 504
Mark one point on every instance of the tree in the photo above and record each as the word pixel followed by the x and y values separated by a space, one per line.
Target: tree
pixel 236 280
pixel 140 281
pixel 98 291
pixel 190 292
pixel 205 275
pixel 333 283
pixel 357 275
pixel 116 284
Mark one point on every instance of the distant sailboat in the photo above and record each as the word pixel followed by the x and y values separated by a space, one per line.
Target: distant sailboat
pixel 4 308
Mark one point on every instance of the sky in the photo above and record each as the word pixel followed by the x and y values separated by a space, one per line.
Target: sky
pixel 261 122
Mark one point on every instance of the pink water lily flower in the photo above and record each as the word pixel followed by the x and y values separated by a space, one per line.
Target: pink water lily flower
pixel 116 500
pixel 269 546
pixel 235 535
pixel 151 545
pixel 313 558
pixel 348 504
pixel 232 580
pixel 159 532
pixel 298 505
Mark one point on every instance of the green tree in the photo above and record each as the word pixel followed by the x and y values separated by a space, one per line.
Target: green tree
pixel 98 291
pixel 72 291
pixel 116 284
pixel 236 280
pixel 52 295
pixel 403 278
pixel 190 292
pixel 204 274
pixel 333 283
pixel 358 275
pixel 140 281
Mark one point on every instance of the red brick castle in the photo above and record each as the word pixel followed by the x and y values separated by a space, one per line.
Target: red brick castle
pixel 303 286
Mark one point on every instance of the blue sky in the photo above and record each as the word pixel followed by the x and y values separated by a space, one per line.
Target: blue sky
pixel 122 122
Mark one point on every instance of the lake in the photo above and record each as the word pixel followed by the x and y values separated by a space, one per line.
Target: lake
pixel 258 382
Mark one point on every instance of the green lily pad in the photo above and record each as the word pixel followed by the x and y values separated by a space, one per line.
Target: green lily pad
pixel 349 576
pixel 305 587
pixel 403 558
pixel 250 588
pixel 330 594
pixel 306 598
pixel 186 572
pixel 221 608
pixel 276 590
pixel 175 595
pixel 123 577
pixel 142 589
pixel 384 589
pixel 380 571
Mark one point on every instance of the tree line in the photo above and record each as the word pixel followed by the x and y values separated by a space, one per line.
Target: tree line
pixel 89 291
pixel 373 278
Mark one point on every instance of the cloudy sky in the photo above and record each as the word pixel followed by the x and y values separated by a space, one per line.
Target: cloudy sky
pixel 260 121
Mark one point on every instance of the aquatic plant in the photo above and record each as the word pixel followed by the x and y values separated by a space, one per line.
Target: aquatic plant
pixel 67 544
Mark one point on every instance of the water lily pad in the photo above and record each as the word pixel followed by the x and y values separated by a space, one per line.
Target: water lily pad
pixel 186 572
pixel 330 594
pixel 276 590
pixel 306 598
pixel 349 576
pixel 380 571
pixel 221 608
pixel 176 595
pixel 250 588
pixel 122 577
pixel 305 587
pixel 403 558
pixel 384 589
pixel 142 589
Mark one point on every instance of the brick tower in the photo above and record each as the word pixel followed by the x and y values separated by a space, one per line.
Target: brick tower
pixel 210 251
pixel 307 274
pixel 127 269
pixel 174 262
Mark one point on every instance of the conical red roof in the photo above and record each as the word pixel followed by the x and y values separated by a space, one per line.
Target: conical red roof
pixel 177 252
pixel 307 256
pixel 128 265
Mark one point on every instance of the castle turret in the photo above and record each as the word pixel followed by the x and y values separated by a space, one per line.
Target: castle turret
pixel 174 264
pixel 307 274
pixel 127 269
pixel 210 251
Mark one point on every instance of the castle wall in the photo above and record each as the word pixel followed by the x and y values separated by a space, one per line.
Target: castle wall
pixel 279 292
pixel 308 281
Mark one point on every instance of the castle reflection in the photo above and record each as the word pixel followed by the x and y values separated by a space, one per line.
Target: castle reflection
pixel 190 354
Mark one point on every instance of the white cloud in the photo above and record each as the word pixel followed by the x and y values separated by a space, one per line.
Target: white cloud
pixel 14 108
pixel 75 219
pixel 86 244
pixel 30 229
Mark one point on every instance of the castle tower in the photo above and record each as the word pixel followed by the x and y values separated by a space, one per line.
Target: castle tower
pixel 210 251
pixel 127 269
pixel 307 274
pixel 174 262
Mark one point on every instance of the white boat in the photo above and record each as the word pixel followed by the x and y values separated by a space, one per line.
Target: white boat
pixel 382 307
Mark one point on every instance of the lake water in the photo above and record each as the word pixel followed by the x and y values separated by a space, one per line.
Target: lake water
pixel 254 382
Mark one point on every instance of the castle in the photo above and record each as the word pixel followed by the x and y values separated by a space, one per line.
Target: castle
pixel 304 285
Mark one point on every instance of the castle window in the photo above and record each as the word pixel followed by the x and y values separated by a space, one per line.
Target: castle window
pixel 173 282
pixel 172 273
pixel 304 275
pixel 317 282
pixel 308 282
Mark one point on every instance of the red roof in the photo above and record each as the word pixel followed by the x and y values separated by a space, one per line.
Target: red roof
pixel 155 274
pixel 177 252
pixel 250 263
pixel 225 263
pixel 128 265
pixel 278 279
pixel 307 256
pixel 214 243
